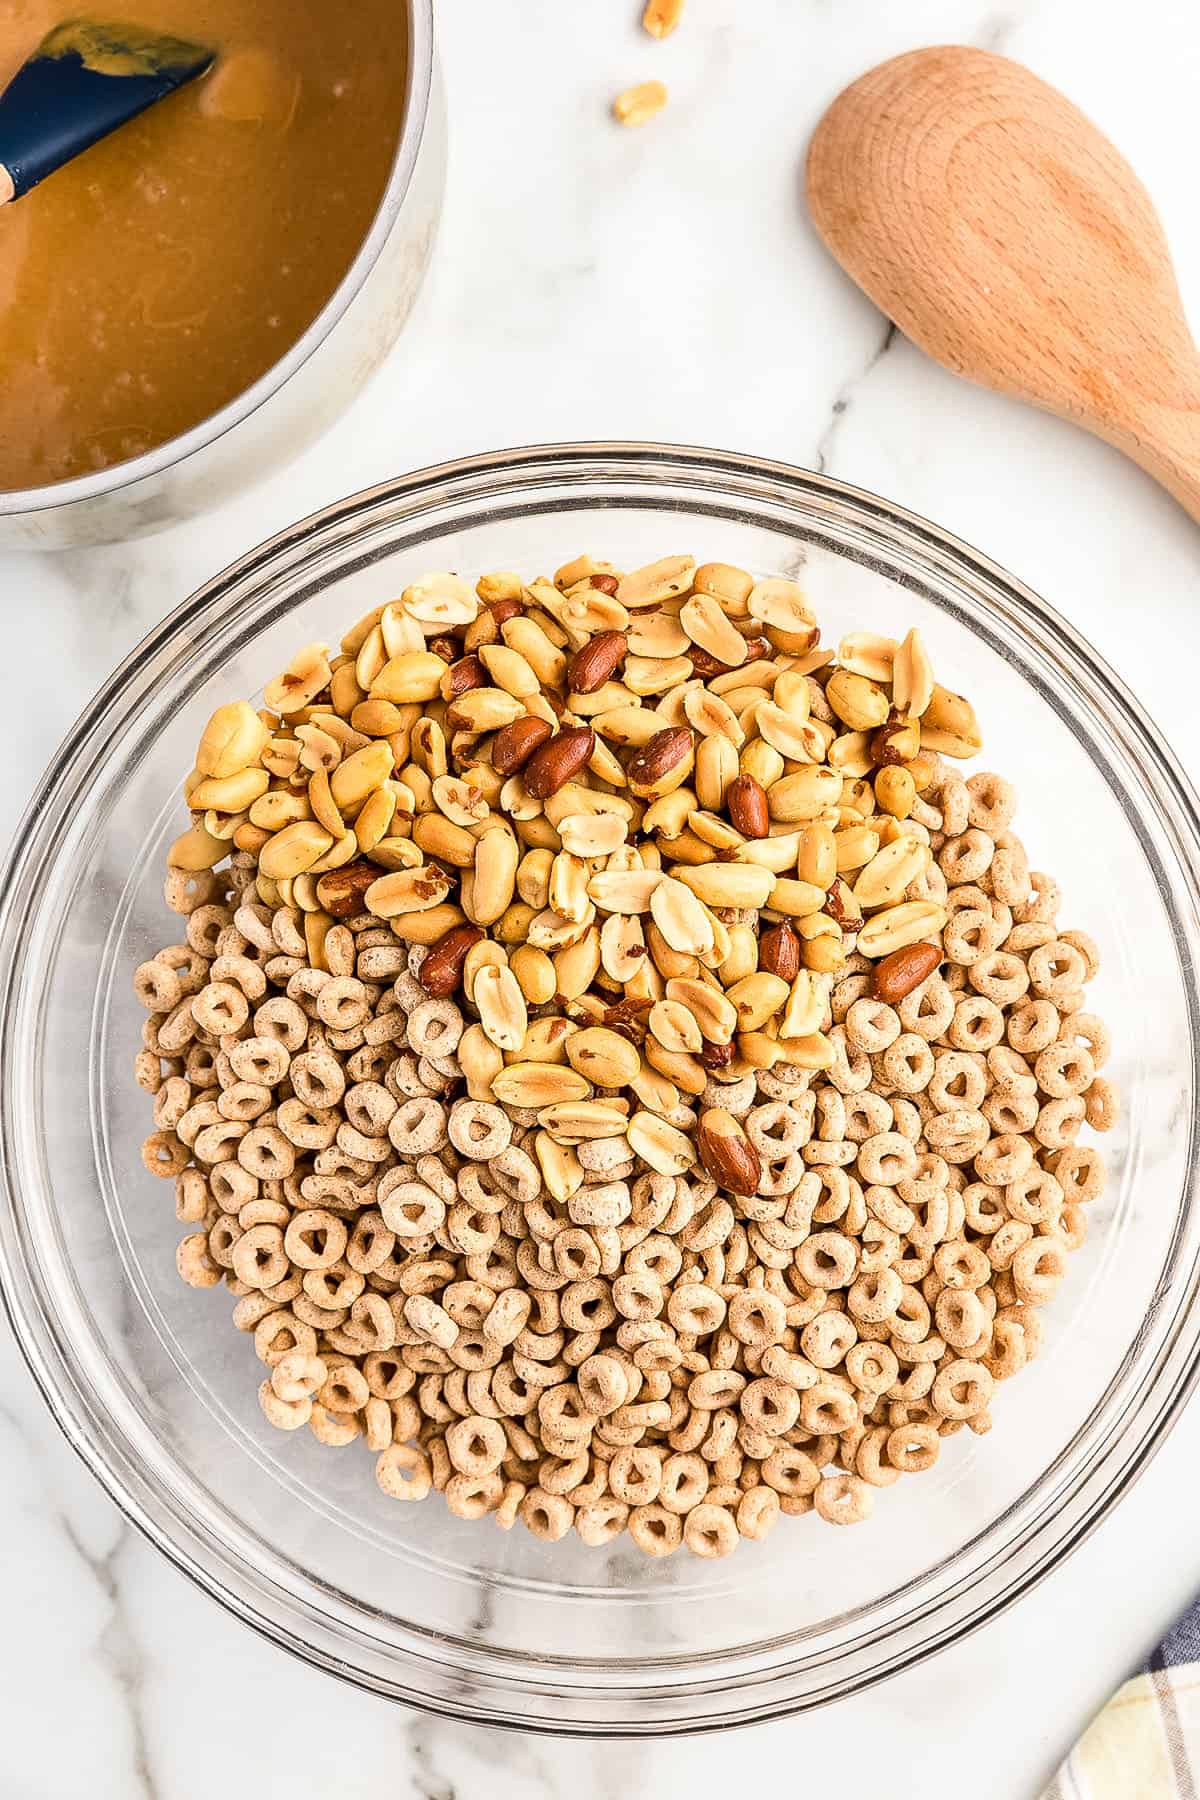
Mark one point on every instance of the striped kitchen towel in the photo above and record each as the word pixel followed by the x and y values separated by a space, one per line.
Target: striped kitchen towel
pixel 1145 1744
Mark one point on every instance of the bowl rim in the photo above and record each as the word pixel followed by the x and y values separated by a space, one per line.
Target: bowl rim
pixel 418 88
pixel 517 1696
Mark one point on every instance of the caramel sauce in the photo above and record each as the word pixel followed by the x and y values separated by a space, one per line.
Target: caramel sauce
pixel 154 279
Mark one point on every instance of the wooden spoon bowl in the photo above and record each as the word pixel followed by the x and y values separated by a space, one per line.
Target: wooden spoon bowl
pixel 1007 237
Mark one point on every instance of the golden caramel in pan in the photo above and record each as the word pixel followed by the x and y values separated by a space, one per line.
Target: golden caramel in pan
pixel 148 283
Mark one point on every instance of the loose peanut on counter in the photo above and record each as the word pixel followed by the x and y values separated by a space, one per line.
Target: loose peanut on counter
pixel 621 1069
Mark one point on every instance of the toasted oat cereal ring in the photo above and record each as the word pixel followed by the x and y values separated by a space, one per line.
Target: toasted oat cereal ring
pixel 913 1447
pixel 1006 1355
pixel 635 1474
pixel 872 1367
pixel 843 1499
pixel 864 1115
pixel 220 1008
pixel 1087 948
pixel 1102 1106
pixel 960 1265
pixel 418 1127
pixel 958 1136
pixel 603 1384
pixel 477 1446
pixel 683 1482
pixel 654 1530
pixel 696 1309
pixel 282 1020
pixel 1036 1197
pixel 961 1389
pixel 267 1153
pixel 194 1262
pixel 1005 1158
pixel 928 1010
pixel 872 1025
pixel 243 972
pixel 315 1239
pixel 1058 1121
pixel 403 1472
pixel 577 1255
pixel 1033 1026
pixel 999 976
pixel 886 1159
pixel 387 1376
pixel 826 1339
pixel 977 1025
pixel 850 1071
pixel 983 1205
pixel 713 1389
pixel 966 856
pixel 215 1142
pixel 710 1531
pixel 1042 901
pixel 1092 1033
pixel 1012 1112
pixel 970 933
pixel 345 1390
pixel 157 986
pixel 991 802
pixel 434 1028
pixel 599 1522
pixel 769 1405
pixel 778 1128
pixel 473 1496
pixel 259 1258
pixel 546 1516
pixel 885 1204
pixel 905 1065
pixel 279 1334
pixel 958 1083
pixel 1079 1171
pixel 757 1317
pixel 960 1317
pixel 232 1186
pixel 870 1463
pixel 791 1471
pixel 827 1259
pixel 873 1298
pixel 826 1408
pixel 318 1078
pixel 478 1129
pixel 757 1512
pixel 298 1376
pixel 186 889
pixel 1038 1269
pixel 260 1059
pixel 369 1108
pixel 1057 970
pixel 164 1155
pixel 285 1415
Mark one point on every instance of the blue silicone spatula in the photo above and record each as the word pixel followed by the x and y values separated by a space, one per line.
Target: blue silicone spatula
pixel 86 78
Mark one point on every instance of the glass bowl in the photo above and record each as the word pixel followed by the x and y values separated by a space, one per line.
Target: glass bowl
pixel 156 1390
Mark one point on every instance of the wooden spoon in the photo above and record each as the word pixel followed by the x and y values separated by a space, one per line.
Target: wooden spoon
pixel 1007 237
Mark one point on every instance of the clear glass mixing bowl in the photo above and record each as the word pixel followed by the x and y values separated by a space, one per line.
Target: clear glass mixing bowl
pixel 157 1391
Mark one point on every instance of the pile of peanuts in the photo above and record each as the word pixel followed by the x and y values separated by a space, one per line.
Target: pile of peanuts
pixel 622 1071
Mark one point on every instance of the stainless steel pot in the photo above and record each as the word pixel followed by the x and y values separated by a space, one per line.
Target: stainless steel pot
pixel 297 399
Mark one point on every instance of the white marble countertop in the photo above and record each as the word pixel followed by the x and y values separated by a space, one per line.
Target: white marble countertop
pixel 664 283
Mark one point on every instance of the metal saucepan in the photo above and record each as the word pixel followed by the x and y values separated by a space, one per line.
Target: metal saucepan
pixel 304 392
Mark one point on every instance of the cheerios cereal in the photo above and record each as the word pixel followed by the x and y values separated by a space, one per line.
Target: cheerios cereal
pixel 622 1070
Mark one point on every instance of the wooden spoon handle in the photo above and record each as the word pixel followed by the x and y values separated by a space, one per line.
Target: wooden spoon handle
pixel 1005 235
pixel 1168 449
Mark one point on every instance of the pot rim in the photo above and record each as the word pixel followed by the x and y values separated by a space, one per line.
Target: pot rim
pixel 53 496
